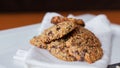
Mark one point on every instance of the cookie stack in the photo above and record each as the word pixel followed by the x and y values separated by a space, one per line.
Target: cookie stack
pixel 68 40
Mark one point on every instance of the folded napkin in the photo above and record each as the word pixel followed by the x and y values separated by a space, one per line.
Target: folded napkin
pixel 99 25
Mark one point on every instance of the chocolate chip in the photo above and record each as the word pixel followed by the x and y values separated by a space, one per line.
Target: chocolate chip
pixel 61 49
pixel 82 55
pixel 81 59
pixel 50 33
pixel 85 50
pixel 40 46
pixel 76 52
pixel 69 28
pixel 44 47
pixel 67 51
pixel 49 50
pixel 54 47
pixel 58 28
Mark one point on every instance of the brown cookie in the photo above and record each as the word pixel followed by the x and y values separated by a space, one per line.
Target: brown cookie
pixel 57 31
pixel 59 19
pixel 87 53
pixel 84 45
pixel 58 49
pixel 36 41
pixel 81 36
pixel 70 42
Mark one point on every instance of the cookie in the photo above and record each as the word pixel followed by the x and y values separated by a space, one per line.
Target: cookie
pixel 57 31
pixel 68 40
pixel 59 19
pixel 84 45
pixel 58 49
pixel 93 54
pixel 81 36
pixel 80 44
pixel 87 53
pixel 36 41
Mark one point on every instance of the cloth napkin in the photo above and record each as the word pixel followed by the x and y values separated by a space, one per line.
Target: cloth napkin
pixel 99 25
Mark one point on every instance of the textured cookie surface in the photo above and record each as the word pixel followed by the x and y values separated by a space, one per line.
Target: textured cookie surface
pixel 57 31
pixel 79 45
pixel 82 36
pixel 84 45
pixel 87 53
pixel 59 50
pixel 59 19
pixel 70 42
pixel 36 41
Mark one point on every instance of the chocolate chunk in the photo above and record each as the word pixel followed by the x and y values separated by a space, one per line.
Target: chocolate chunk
pixel 50 33
pixel 81 59
pixel 85 50
pixel 58 28
pixel 82 55
pixel 76 52
pixel 54 47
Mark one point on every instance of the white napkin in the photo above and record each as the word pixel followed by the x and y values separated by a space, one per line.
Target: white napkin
pixel 99 25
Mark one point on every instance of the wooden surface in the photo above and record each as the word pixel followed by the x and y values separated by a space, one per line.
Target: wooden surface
pixel 12 20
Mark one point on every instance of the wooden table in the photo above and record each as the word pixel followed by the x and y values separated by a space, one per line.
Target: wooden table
pixel 12 20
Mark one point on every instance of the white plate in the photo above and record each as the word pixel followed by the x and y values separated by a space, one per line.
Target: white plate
pixel 18 38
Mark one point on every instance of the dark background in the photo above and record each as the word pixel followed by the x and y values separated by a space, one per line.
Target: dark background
pixel 57 5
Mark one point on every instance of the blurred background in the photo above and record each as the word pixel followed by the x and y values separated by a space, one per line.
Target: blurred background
pixel 57 5
pixel 15 13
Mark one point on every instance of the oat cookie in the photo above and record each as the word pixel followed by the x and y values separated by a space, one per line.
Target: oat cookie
pixel 57 31
pixel 36 41
pixel 84 45
pixel 80 44
pixel 58 49
pixel 87 53
pixel 59 19
pixel 81 36
pixel 68 40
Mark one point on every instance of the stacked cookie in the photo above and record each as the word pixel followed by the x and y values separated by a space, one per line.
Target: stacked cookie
pixel 68 40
